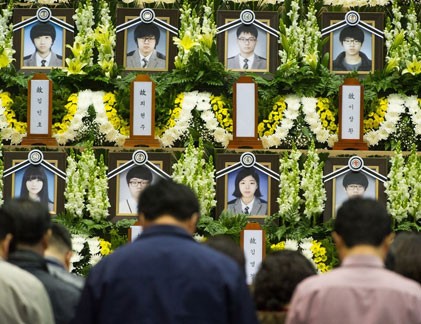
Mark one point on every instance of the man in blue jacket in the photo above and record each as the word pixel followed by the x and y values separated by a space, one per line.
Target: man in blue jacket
pixel 165 276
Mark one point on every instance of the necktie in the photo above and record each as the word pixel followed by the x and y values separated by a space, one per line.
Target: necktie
pixel 43 62
pixel 145 62
pixel 246 210
pixel 245 66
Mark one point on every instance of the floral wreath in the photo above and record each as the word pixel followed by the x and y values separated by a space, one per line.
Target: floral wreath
pixel 213 113
pixel 10 128
pixel 310 248
pixel 316 113
pixel 388 119
pixel 107 119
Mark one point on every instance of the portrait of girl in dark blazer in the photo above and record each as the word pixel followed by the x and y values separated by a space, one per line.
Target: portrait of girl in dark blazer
pixel 248 195
pixel 35 185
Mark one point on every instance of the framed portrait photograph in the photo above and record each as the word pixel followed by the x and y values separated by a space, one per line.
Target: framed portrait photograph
pixel 126 187
pixel 41 45
pixel 248 47
pixel 146 46
pixel 247 190
pixel 356 47
pixel 37 182
pixel 353 183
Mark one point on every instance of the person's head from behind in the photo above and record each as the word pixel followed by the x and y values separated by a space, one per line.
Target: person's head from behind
pixel 171 203
pixel 138 178
pixel 355 184
pixel 246 39
pixel 362 223
pixel 226 245
pixel 43 36
pixel 247 185
pixel 404 256
pixel 60 245
pixel 278 275
pixel 146 37
pixel 32 223
pixel 35 184
pixel 352 39
pixel 7 231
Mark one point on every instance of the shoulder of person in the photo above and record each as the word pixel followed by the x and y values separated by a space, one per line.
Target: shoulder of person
pixel 27 57
pixel 131 53
pixel 262 201
pixel 231 202
pixel 260 58
pixel 59 57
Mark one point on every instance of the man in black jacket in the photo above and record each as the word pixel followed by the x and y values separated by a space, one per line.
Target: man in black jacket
pixel 31 233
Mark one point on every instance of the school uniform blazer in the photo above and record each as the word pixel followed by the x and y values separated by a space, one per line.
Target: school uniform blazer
pixel 156 61
pixel 55 60
pixel 260 207
pixel 259 63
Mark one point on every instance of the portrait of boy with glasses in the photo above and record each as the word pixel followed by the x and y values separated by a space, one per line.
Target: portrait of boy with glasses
pixel 137 179
pixel 352 58
pixel 247 59
pixel 146 56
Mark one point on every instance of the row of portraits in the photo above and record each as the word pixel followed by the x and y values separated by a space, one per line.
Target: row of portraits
pixel 244 190
pixel 149 46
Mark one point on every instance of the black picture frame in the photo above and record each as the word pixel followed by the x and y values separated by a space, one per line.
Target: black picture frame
pixel 24 47
pixel 56 185
pixel 225 185
pixel 373 48
pixel 125 43
pixel 335 191
pixel 227 40
pixel 119 188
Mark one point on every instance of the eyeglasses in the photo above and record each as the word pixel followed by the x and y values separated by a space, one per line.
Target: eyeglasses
pixel 247 40
pixel 349 41
pixel 135 183
pixel 147 39
pixel 355 187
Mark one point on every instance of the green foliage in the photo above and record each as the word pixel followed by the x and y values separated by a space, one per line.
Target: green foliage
pixel 227 223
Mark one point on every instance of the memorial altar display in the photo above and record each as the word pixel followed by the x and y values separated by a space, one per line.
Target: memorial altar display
pixel 156 90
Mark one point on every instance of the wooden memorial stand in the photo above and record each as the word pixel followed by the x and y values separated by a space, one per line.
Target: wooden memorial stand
pixel 245 115
pixel 134 231
pixel 351 116
pixel 142 113
pixel 253 243
pixel 40 110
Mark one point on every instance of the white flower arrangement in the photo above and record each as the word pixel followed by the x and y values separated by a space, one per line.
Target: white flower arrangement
pixel 86 190
pixel 6 36
pixel 105 39
pixel 78 243
pixel 356 3
pixel 87 98
pixel 193 170
pixel 1 173
pixel 6 131
pixel 413 178
pixel 289 200
pixel 396 188
pixel 397 105
pixel 312 185
pixel 84 41
pixel 200 101
pixel 294 107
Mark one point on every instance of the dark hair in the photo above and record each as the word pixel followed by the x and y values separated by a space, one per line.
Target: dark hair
pixel 61 238
pixel 362 221
pixel 168 198
pixel 7 224
pixel 33 172
pixel 227 246
pixel 245 172
pixel 140 172
pixel 404 255
pixel 247 29
pixel 352 32
pixel 278 275
pixel 144 30
pixel 43 29
pixel 355 178
pixel 31 219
